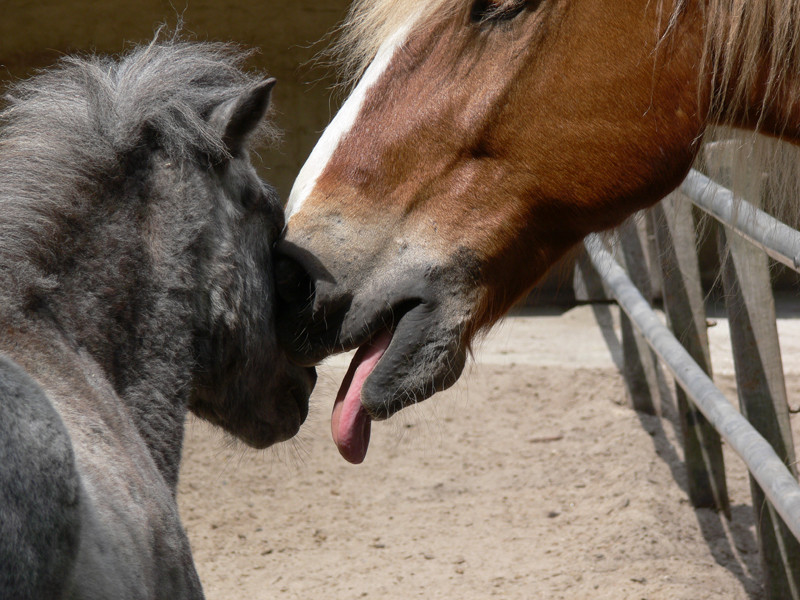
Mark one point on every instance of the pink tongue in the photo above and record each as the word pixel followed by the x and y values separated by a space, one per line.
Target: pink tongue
pixel 350 423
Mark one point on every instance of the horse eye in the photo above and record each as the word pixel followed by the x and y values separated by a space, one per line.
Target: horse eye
pixel 496 10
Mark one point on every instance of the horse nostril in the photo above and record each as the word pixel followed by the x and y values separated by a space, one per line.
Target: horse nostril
pixel 293 283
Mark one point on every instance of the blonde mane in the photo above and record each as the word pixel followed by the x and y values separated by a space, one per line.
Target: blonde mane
pixel 746 39
pixel 369 23
pixel 742 38
pixel 753 44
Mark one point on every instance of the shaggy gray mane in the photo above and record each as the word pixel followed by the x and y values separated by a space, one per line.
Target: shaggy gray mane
pixel 69 133
pixel 104 104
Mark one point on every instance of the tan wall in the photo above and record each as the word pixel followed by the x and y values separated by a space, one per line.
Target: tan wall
pixel 33 33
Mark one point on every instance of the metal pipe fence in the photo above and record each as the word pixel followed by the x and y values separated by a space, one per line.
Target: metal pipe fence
pixel 768 469
pixel 778 240
pixel 760 432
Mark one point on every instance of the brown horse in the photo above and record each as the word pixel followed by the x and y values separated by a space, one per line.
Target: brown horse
pixel 485 138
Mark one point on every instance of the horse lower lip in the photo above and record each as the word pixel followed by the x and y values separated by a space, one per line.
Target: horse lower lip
pixel 386 390
pixel 390 320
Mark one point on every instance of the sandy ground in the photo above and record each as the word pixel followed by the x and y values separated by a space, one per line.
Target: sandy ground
pixel 531 479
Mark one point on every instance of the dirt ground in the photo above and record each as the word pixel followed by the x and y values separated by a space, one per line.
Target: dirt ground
pixel 531 479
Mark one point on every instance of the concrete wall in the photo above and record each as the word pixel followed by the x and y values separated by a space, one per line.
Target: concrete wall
pixel 290 34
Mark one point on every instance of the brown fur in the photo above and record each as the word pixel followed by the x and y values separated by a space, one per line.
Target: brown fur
pixel 487 179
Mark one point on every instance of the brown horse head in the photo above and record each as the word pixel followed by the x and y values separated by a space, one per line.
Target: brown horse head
pixel 483 140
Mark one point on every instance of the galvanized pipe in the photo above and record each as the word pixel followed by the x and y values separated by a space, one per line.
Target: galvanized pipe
pixel 762 461
pixel 777 239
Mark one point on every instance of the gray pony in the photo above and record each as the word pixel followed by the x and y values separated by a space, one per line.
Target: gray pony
pixel 135 284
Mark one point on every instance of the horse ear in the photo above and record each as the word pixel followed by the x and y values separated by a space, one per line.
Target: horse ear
pixel 236 119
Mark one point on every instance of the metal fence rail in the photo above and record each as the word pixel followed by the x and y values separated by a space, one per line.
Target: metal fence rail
pixel 766 467
pixel 745 240
pixel 778 240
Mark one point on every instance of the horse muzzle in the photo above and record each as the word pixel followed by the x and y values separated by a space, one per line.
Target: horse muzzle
pixel 329 306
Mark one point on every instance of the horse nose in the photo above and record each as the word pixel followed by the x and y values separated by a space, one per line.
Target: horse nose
pixel 294 285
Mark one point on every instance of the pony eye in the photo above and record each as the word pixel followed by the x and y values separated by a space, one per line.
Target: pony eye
pixel 256 196
pixel 250 198
pixel 496 10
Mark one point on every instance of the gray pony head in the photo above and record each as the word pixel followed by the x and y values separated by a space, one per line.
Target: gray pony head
pixel 133 223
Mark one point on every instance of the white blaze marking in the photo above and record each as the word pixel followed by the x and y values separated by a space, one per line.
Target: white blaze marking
pixel 343 122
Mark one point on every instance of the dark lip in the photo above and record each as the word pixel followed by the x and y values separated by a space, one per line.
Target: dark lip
pixel 386 320
pixel 302 396
pixel 421 360
pixel 291 420
pixel 344 341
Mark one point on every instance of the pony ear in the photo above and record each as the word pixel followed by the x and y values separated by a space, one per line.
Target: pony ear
pixel 239 117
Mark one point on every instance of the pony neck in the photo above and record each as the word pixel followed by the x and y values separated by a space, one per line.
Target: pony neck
pixel 145 350
pixel 109 314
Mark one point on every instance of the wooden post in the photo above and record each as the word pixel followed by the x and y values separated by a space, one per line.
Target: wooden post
pixel 683 303
pixel 757 360
pixel 762 396
pixel 653 261
pixel 639 364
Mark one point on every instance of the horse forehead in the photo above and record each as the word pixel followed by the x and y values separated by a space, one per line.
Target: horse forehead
pixel 345 119
pixel 418 64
